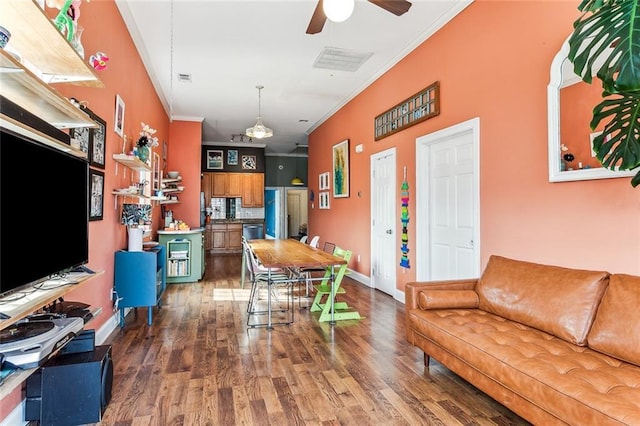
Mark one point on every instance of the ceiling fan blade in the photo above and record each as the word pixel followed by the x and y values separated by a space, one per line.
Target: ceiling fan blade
pixel 317 20
pixel 397 7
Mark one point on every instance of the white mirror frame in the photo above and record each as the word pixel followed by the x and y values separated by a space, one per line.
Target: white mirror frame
pixel 557 81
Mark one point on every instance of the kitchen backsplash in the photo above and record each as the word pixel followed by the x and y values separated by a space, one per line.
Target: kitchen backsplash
pixel 218 208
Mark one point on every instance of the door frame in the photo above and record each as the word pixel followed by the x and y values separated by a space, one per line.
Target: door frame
pixel 387 152
pixel 423 155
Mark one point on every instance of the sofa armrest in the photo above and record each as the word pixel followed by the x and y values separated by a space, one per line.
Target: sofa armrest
pixel 413 289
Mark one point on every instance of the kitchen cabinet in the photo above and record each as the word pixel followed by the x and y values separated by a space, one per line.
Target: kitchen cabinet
pixel 140 279
pixel 185 254
pixel 253 190
pixel 226 184
pixel 223 238
pixel 248 186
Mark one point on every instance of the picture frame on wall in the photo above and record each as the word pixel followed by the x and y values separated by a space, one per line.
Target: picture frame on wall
pixel 98 142
pixel 215 159
pixel 119 116
pixel 232 157
pixel 324 181
pixel 324 200
pixel 96 195
pixel 341 169
pixel 249 162
pixel 80 138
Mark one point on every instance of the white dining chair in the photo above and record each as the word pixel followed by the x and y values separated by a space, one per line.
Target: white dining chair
pixel 315 241
pixel 304 239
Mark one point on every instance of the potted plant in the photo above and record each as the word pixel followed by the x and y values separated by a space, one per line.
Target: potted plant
pixel 606 43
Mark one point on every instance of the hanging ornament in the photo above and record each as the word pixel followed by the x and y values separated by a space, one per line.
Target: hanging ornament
pixel 99 61
pixel 404 219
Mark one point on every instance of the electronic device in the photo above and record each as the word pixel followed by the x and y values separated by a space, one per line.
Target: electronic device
pixel 46 208
pixel 28 344
pixel 71 389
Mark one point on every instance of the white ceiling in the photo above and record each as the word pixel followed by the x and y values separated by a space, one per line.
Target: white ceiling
pixel 230 47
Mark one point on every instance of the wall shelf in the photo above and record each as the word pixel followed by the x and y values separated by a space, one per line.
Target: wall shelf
pixel 132 162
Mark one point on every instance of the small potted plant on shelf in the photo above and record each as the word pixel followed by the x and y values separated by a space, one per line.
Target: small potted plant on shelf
pixel 145 142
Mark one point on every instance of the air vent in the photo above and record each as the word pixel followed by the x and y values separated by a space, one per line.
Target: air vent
pixel 184 77
pixel 334 58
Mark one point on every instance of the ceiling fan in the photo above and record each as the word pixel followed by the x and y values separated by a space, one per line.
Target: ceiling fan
pixel 397 7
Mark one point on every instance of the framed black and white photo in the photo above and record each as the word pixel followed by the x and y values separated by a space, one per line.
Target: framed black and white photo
pixel 98 142
pixel 249 162
pixel 96 200
pixel 324 181
pixel 324 200
pixel 81 138
pixel 215 159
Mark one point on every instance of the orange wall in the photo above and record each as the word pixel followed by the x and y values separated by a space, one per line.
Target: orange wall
pixel 492 62
pixel 184 156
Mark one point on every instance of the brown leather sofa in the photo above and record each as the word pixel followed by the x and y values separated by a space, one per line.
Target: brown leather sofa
pixel 555 345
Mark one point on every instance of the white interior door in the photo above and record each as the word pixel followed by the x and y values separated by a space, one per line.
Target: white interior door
pixel 296 209
pixel 448 203
pixel 384 238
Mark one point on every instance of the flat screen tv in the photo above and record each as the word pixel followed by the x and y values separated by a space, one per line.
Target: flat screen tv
pixel 44 218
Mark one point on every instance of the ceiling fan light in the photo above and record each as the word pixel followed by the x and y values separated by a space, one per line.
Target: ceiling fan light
pixel 338 10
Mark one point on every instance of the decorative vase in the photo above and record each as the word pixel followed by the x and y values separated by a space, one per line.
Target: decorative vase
pixel 143 153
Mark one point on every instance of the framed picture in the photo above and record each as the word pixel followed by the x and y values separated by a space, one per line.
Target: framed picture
pixel 249 162
pixel 98 142
pixel 341 169
pixel 232 157
pixel 96 202
pixel 215 159
pixel 324 199
pixel 81 138
pixel 324 181
pixel 156 175
pixel 119 116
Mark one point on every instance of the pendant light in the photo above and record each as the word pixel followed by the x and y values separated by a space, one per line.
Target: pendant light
pixel 259 130
pixel 338 10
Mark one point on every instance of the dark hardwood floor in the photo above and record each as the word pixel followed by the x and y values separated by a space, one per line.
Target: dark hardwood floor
pixel 199 364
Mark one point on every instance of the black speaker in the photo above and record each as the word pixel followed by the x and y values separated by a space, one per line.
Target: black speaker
pixel 71 389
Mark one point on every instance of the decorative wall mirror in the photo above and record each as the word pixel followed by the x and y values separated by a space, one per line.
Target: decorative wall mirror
pixel 571 102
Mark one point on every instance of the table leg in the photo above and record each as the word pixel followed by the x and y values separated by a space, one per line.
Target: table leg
pixel 269 283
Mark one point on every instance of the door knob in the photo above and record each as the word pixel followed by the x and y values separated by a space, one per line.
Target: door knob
pixel 389 231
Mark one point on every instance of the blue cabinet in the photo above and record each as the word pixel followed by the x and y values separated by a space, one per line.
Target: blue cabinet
pixel 140 279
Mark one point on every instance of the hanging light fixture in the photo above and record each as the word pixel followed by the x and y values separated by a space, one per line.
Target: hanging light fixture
pixel 259 130
pixel 338 10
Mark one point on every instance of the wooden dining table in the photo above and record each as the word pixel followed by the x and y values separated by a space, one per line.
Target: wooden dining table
pixel 295 256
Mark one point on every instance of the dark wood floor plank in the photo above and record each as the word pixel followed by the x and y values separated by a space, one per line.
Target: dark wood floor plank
pixel 199 364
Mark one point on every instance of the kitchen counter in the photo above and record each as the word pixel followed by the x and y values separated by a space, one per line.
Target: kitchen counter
pixel 182 231
pixel 253 220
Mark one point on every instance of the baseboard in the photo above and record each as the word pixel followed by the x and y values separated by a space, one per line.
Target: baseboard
pixel 363 279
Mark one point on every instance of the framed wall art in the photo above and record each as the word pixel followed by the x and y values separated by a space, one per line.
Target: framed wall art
pixel 215 159
pixel 341 169
pixel 81 138
pixel 324 181
pixel 324 199
pixel 232 157
pixel 98 142
pixel 249 162
pixel 119 116
pixel 96 201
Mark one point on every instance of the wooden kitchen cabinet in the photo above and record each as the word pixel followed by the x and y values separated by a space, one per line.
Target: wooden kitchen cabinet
pixel 225 184
pixel 223 237
pixel 253 190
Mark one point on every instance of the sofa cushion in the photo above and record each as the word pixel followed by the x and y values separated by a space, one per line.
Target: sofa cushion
pixel 616 328
pixel 560 301
pixel 438 299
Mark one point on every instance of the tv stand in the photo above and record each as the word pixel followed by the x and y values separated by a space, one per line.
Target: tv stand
pixel 24 307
